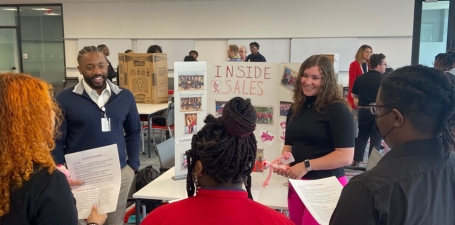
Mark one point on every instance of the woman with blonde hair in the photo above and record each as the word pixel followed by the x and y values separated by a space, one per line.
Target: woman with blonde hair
pixel 358 67
pixel 319 131
pixel 32 190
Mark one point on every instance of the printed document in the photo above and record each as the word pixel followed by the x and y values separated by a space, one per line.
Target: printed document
pixel 319 196
pixel 99 170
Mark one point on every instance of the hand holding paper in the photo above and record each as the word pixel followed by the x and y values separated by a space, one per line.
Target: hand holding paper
pixel 99 169
pixel 319 196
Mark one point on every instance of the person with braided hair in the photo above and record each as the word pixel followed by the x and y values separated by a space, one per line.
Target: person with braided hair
pixel 414 183
pixel 220 161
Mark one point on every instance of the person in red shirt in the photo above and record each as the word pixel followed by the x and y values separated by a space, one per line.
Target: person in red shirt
pixel 358 67
pixel 220 161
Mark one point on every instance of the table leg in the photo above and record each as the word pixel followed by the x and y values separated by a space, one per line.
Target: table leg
pixel 148 135
pixel 138 211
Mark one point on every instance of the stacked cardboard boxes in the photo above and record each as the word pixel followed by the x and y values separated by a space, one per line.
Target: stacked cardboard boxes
pixel 145 75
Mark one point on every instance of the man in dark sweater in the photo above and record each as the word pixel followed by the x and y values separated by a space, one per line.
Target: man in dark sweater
pixel 255 56
pixel 85 106
pixel 364 92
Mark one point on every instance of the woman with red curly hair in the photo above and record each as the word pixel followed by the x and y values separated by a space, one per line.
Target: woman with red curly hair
pixel 32 191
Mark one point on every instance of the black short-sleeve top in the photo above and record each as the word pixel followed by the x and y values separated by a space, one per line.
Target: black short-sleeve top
pixel 313 135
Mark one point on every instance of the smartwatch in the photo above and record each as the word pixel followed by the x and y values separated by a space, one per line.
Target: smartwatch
pixel 307 165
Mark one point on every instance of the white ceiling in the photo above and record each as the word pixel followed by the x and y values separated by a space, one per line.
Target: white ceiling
pixel 78 1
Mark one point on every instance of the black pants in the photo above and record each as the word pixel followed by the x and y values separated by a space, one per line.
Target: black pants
pixel 367 129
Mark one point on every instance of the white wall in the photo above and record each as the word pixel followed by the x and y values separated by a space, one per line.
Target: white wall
pixel 239 19
pixel 212 23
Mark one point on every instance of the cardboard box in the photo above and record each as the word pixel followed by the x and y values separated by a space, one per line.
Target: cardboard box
pixel 145 75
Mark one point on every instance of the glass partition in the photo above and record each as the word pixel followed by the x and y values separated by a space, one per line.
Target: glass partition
pixel 42 42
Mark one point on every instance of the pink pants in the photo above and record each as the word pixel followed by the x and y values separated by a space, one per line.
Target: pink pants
pixel 298 213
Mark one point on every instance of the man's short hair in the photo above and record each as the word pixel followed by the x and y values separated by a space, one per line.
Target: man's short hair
pixel 193 51
pixel 376 59
pixel 234 48
pixel 255 44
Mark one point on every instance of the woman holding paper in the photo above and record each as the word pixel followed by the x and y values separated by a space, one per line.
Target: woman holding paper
pixel 319 131
pixel 32 190
pixel 220 162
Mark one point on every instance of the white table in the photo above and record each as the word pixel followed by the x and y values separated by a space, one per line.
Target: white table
pixel 165 188
pixel 149 110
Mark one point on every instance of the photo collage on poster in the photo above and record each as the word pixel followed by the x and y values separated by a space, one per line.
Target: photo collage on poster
pixel 288 78
pixel 191 82
pixel 264 115
pixel 190 104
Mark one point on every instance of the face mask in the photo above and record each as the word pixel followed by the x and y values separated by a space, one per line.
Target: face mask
pixel 377 128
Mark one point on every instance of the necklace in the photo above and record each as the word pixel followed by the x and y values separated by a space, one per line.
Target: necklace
pixel 223 188
pixel 309 105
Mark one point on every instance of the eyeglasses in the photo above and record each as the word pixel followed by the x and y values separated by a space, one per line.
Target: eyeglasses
pixel 374 108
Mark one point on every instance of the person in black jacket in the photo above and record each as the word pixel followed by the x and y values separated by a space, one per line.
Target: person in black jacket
pixel 364 92
pixel 111 74
pixel 33 190
pixel 413 183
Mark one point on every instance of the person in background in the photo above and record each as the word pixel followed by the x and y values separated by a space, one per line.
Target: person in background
pixel 358 67
pixel 85 106
pixel 194 53
pixel 414 182
pixel 319 131
pixel 364 92
pixel 215 194
pixel 154 49
pixel 445 62
pixel 255 56
pixel 189 58
pixel 32 190
pixel 388 70
pixel 233 53
pixel 110 69
pixel 243 53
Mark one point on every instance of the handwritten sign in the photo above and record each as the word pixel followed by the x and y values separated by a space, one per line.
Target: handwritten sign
pixel 241 79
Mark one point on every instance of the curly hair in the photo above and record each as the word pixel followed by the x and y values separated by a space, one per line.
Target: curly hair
pixel 226 146
pixel 26 136
pixel 327 93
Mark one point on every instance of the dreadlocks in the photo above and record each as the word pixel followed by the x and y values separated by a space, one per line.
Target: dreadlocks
pixel 87 49
pixel 426 97
pixel 226 146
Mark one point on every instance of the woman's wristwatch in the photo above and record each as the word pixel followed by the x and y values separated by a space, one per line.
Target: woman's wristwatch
pixel 307 165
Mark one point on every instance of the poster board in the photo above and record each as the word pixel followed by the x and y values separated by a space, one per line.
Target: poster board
pixel 190 108
pixel 263 83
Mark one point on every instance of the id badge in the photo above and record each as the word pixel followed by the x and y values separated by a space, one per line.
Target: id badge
pixel 105 124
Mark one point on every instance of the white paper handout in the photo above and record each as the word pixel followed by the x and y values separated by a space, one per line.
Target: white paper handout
pixel 99 169
pixel 319 196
